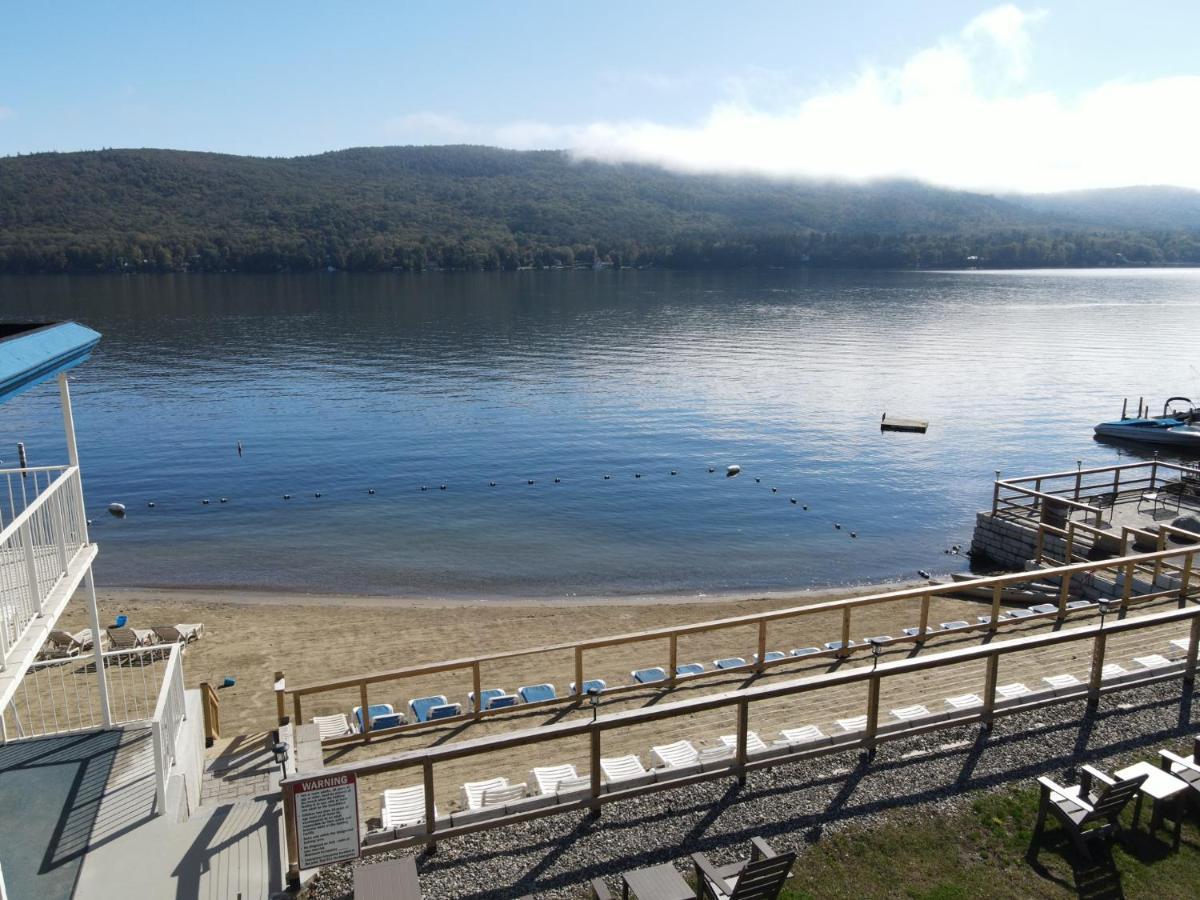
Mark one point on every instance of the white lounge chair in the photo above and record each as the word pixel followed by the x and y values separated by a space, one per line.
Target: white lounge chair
pixel 399 807
pixel 710 755
pixel 1012 691
pixel 498 796
pixel 909 713
pixel 806 734
pixel 336 725
pixel 178 634
pixel 854 723
pixel 805 651
pixel 1181 644
pixel 1112 670
pixel 964 701
pixel 1061 682
pixel 956 625
pixel 473 791
pixel 1153 661
pixel 622 768
pixel 672 756
pixel 1043 609
pixel 547 778
pixel 577 785
pixel 754 744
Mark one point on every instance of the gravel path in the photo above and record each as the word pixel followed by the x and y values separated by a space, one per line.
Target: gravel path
pixel 792 805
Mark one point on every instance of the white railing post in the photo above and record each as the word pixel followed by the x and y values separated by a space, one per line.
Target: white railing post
pixel 35 591
pixel 98 650
pixel 160 772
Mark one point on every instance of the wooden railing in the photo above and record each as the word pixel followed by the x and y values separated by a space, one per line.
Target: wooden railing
pixel 210 703
pixel 1087 490
pixel 920 597
pixel 741 702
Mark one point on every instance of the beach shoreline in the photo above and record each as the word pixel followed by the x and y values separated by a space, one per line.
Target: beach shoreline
pixel 259 596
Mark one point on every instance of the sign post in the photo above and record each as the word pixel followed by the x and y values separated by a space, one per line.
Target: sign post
pixel 325 811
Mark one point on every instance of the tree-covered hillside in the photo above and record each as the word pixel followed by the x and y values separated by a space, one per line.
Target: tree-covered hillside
pixel 413 208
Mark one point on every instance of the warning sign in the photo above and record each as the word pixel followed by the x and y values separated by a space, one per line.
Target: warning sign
pixel 327 820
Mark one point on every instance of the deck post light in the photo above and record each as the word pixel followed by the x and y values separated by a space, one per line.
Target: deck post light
pixel 280 752
pixel 876 652
pixel 1105 604
pixel 594 700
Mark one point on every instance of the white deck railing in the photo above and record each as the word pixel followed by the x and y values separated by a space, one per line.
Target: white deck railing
pixel 169 714
pixel 46 529
pixel 62 695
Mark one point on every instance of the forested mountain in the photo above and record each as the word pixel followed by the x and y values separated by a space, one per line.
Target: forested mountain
pixel 414 208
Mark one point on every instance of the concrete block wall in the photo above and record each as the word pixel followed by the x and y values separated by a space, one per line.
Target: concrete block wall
pixel 1009 543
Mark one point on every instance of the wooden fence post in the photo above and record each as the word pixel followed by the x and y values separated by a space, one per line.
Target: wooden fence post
pixel 365 711
pixel 579 671
pixel 990 677
pixel 1189 666
pixel 476 686
pixel 762 645
pixel 1097 673
pixel 845 651
pixel 595 770
pixel 672 668
pixel 280 690
pixel 872 713
pixel 923 625
pixel 743 729
pixel 291 838
pixel 1185 578
pixel 996 592
pixel 430 806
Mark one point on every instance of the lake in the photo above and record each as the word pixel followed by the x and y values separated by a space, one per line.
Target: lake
pixel 345 384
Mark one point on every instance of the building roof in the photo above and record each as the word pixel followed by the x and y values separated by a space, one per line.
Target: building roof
pixel 31 353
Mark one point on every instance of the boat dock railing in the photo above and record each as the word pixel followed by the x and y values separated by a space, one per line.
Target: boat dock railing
pixel 1086 492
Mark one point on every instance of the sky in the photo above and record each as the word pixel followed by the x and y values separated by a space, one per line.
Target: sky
pixel 982 96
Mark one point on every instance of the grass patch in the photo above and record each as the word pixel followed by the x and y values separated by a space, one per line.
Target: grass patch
pixel 982 852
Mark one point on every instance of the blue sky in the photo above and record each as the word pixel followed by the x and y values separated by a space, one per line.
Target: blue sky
pixel 976 94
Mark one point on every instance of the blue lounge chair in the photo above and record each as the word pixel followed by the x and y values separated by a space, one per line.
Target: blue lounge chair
pixel 771 656
pixel 445 711
pixel 502 702
pixel 591 686
pixel 1043 609
pixel 689 669
pixel 956 625
pixel 837 645
pixel 537 693
pixel 388 720
pixel 649 676
pixel 421 706
pixel 486 698
pixel 374 711
pixel 729 662
pixel 806 651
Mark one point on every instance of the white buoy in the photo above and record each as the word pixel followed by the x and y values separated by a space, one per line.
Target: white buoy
pixel 117 509
pixel 732 470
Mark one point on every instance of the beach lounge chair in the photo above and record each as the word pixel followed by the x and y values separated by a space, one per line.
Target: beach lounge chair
pixel 673 756
pixel 500 795
pixel 537 693
pixel 1079 604
pixel 60 645
pixel 1112 670
pixel 399 807
pixel 1153 661
pixel 580 784
pixel 178 634
pixel 879 639
pixel 1043 609
pixel 729 662
pixel 754 744
pixel 760 877
pixel 914 631
pixel 616 769
pixel 909 713
pixel 547 778
pixel 1021 613
pixel 772 656
pixel 473 791
pixel 956 625
pixel 445 711
pixel 805 734
pixel 388 720
pixel 591 686
pixel 1078 808
pixel 1059 683
pixel 1181 644
pixel 837 645
pixel 964 701
pixel 854 723
pixel 392 879
pixel 805 651
pixel 130 638
pixel 1012 691
pixel 683 671
pixel 374 711
pixel 333 726
pixel 649 676
pixel 987 620
pixel 486 697
pixel 421 706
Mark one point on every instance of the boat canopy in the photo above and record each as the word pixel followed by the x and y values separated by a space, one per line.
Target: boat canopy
pixel 31 353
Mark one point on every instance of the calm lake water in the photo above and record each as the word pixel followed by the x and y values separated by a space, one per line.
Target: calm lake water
pixel 343 384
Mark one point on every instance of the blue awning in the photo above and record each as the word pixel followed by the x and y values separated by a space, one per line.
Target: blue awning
pixel 31 354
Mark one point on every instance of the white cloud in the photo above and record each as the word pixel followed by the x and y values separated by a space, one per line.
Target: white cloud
pixel 960 113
